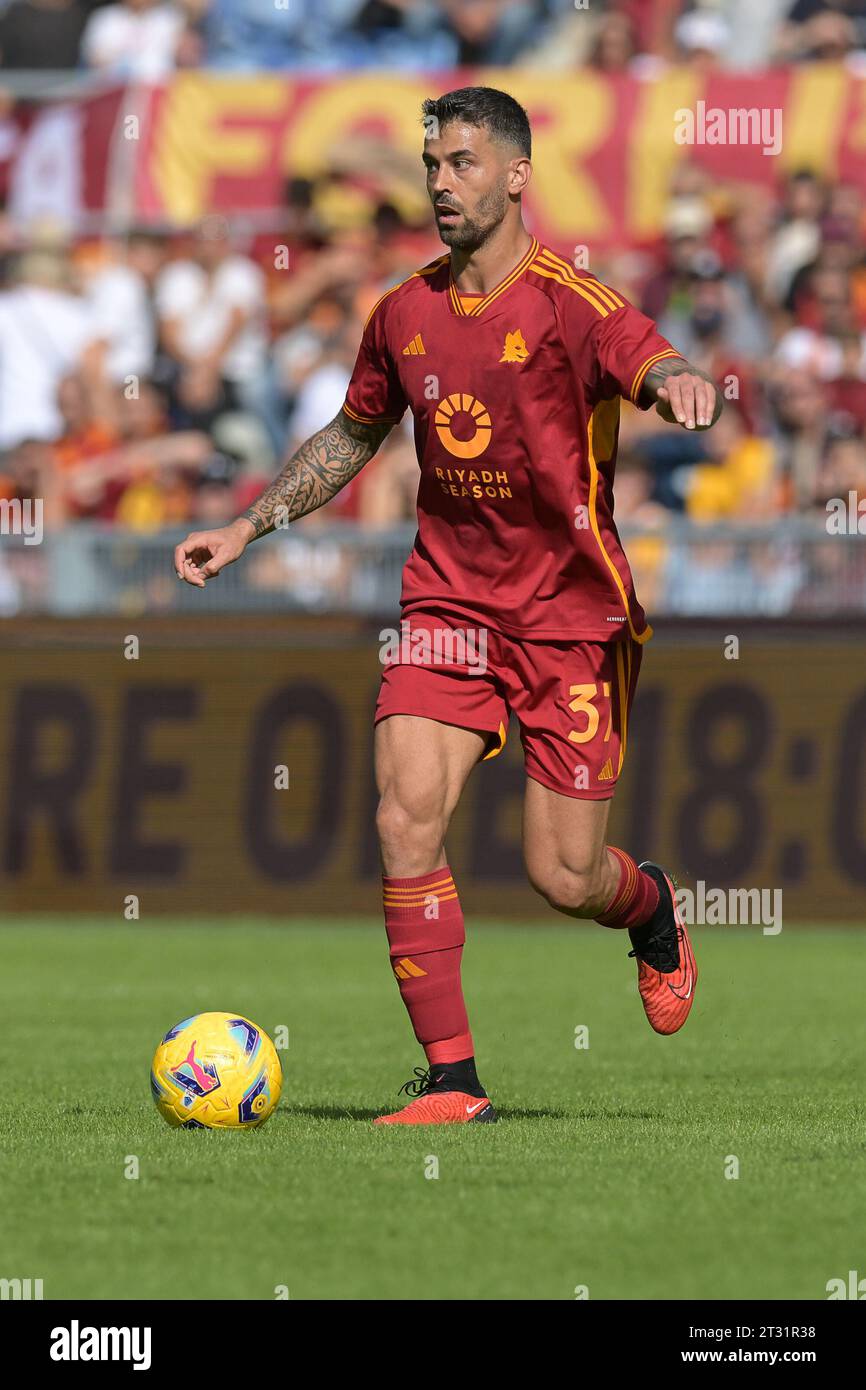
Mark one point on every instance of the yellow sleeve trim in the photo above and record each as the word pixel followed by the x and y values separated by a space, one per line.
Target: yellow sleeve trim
pixel 541 268
pixel 644 368
pixel 601 291
pixel 370 419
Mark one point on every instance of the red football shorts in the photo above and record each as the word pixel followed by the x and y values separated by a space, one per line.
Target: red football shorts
pixel 571 699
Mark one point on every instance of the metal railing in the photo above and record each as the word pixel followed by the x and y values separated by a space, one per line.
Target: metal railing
pixel 793 567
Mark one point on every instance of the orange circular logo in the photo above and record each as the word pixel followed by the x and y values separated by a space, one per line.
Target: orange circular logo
pixel 480 417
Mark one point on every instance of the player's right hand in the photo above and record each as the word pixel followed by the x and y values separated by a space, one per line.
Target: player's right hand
pixel 204 553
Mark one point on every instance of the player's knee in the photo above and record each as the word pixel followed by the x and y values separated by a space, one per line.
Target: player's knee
pixel 574 892
pixel 409 831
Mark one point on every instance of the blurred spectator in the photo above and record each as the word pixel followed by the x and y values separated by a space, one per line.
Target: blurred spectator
pixel 397 31
pixel 146 39
pixel 702 36
pixel 739 481
pixel 796 241
pixel 332 35
pixel 842 470
pixel 624 35
pixel 615 45
pixel 800 418
pixel 119 292
pixel 312 35
pixel 488 31
pixel 846 391
pixel 688 224
pixel 211 309
pixel 753 31
pixel 46 331
pixel 135 39
pixel 119 460
pixel 722 577
pixel 10 138
pixel 822 30
pixel 214 498
pixel 324 387
pixel 41 34
pixel 84 446
pixel 336 272
pixel 714 322
pixel 824 347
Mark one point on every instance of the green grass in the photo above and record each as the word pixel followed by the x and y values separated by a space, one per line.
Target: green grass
pixel 606 1169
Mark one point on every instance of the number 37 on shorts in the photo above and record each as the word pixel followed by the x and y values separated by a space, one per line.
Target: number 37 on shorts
pixel 571 700
pixel 581 754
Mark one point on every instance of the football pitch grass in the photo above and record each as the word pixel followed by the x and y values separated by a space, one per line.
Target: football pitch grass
pixel 607 1169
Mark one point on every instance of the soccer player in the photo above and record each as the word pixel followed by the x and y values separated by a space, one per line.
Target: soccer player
pixel 517 596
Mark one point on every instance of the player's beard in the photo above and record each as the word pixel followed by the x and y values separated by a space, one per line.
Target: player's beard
pixel 472 232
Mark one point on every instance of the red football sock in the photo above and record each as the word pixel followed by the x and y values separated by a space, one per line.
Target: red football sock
pixel 636 897
pixel 424 922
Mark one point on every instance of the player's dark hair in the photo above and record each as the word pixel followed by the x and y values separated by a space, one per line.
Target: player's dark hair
pixel 487 107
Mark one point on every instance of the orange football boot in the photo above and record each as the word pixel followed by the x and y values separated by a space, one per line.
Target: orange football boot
pixel 436 1104
pixel 666 969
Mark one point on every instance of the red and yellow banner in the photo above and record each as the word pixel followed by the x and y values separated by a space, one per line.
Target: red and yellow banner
pixel 604 148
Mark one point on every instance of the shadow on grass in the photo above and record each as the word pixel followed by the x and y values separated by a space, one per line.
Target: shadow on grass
pixel 324 1112
pixel 519 1113
pixel 351 1112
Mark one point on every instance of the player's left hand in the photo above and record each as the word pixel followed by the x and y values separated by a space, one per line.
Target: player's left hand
pixel 688 400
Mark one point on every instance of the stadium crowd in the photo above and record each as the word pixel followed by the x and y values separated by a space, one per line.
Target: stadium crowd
pixel 157 378
pixel 147 39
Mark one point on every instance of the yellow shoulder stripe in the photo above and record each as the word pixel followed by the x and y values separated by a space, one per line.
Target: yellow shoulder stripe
pixel 541 269
pixel 602 291
pixel 433 266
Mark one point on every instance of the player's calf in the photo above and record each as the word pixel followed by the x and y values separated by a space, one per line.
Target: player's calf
pixel 640 898
pixel 574 894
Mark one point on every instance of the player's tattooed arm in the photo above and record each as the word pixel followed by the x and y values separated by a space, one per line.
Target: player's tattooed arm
pixel 315 473
pixel 682 394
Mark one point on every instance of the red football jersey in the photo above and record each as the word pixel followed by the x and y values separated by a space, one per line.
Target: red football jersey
pixel 516 400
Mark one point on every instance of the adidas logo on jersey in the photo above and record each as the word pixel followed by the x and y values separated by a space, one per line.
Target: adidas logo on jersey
pixel 416 348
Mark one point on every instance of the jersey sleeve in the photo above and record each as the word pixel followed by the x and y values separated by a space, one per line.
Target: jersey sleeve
pixel 627 345
pixel 375 395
